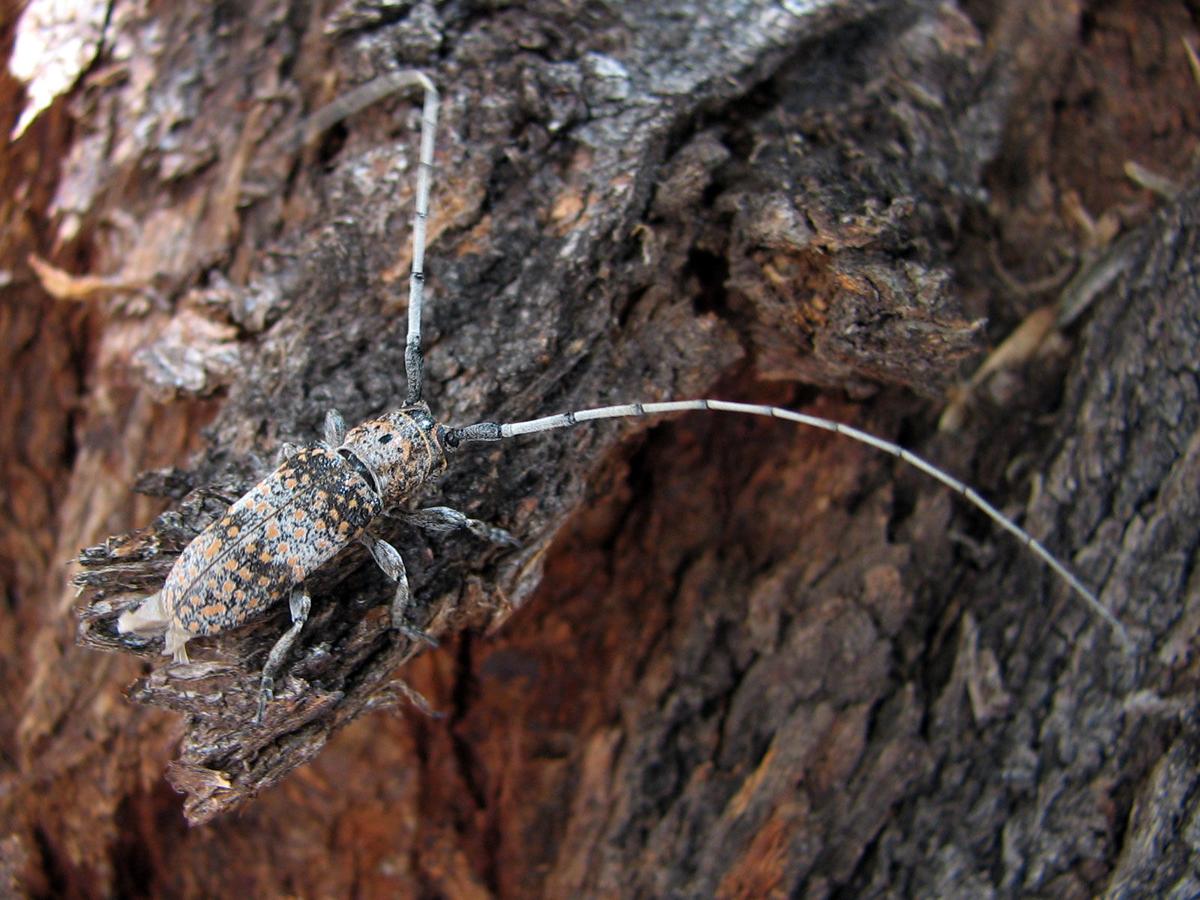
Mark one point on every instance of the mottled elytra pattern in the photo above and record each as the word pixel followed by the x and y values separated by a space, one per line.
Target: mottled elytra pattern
pixel 275 536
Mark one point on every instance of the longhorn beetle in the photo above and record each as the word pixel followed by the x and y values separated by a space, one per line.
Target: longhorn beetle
pixel 321 499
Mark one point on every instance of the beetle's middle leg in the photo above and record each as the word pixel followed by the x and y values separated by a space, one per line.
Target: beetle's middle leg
pixel 388 558
pixel 299 604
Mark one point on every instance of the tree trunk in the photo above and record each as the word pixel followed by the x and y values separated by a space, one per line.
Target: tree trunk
pixel 731 657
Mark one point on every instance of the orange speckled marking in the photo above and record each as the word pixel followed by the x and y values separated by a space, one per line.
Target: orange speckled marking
pixel 251 557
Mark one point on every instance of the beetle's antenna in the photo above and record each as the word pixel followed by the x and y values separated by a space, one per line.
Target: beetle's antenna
pixel 492 431
pixel 413 363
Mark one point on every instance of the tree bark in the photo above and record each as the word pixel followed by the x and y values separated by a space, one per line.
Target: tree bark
pixel 731 657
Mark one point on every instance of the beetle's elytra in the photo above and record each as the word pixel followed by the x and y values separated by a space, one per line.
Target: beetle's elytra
pixel 291 523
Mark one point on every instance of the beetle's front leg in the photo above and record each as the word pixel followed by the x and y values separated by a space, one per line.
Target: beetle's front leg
pixel 388 558
pixel 299 603
pixel 286 451
pixel 335 429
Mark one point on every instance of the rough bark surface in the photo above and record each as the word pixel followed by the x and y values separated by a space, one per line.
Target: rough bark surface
pixel 731 658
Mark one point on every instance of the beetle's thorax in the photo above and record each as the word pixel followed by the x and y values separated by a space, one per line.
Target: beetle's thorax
pixel 401 450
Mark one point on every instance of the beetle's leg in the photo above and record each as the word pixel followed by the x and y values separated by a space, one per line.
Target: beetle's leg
pixel 300 603
pixel 443 519
pixel 175 642
pixel 388 558
pixel 286 451
pixel 335 429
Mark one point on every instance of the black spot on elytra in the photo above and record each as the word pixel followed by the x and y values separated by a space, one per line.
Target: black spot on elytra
pixel 386 439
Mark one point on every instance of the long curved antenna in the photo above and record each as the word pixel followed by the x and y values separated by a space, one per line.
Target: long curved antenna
pixel 492 431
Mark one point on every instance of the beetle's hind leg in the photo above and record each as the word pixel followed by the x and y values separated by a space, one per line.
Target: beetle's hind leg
pixel 299 603
pixel 388 558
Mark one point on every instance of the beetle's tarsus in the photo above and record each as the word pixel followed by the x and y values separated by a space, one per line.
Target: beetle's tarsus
pixel 415 634
pixel 443 519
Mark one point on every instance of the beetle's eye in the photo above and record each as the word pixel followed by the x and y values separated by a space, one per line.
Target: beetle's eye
pixel 386 439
